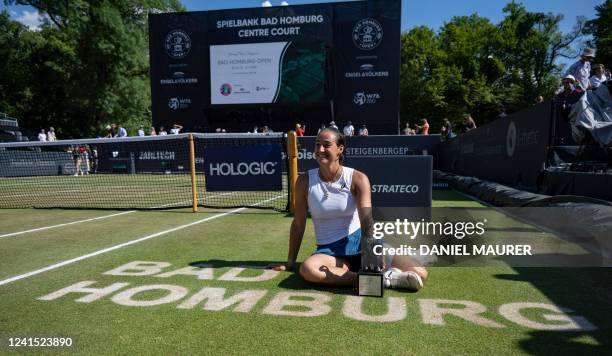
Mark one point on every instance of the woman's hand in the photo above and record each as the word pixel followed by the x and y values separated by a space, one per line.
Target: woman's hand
pixel 286 266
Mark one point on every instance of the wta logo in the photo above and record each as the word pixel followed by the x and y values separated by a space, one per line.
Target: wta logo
pixel 242 169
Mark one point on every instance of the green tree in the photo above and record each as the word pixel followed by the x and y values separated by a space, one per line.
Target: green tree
pixel 16 47
pixel 601 30
pixel 476 67
pixel 91 67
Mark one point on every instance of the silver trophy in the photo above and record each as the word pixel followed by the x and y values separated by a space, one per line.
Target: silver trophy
pixel 371 272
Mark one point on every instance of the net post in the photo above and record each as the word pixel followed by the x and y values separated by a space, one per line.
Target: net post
pixel 194 190
pixel 293 168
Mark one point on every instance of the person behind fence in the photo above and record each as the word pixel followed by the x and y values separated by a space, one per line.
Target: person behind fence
pixel 42 136
pixel 141 131
pixel 423 129
pixel 569 93
pixel 162 131
pixel 79 157
pixel 469 122
pixel 448 129
pixel 408 131
pixel 152 132
pixel 176 129
pixel 581 70
pixel 110 131
pixel 349 129
pixel 51 134
pixel 599 76
pixel 363 131
pixel 336 197
pixel 299 130
pixel 121 131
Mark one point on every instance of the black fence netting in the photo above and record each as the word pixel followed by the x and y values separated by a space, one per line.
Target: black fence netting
pixel 126 173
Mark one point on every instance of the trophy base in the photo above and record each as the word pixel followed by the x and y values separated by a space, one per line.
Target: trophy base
pixel 371 284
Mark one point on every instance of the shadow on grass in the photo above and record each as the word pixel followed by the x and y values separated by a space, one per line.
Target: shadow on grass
pixel 586 292
pixel 294 281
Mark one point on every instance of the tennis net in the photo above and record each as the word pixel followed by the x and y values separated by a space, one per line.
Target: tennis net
pixel 131 173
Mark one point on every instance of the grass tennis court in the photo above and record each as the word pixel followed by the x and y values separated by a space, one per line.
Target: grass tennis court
pixel 233 307
pixel 125 191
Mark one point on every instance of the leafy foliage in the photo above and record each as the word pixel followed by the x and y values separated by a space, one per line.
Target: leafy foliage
pixel 601 30
pixel 86 68
pixel 473 66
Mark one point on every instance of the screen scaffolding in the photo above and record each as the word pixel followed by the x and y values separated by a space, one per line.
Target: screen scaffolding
pixel 126 173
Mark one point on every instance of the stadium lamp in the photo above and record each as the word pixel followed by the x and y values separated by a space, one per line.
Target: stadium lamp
pixel 266 3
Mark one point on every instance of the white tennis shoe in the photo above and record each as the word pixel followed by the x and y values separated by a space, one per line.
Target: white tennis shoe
pixel 396 279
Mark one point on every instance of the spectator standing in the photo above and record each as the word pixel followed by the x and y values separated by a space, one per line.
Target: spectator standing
pixel 265 129
pixel 255 129
pixel 121 132
pixel 363 131
pixel 162 131
pixel 407 129
pixel 333 124
pixel 423 129
pixel 443 133
pixel 299 130
pixel 581 70
pixel 51 135
pixel 42 136
pixel 570 92
pixel 176 129
pixel 152 132
pixel 141 132
pixel 448 129
pixel 599 77
pixel 110 132
pixel 349 129
pixel 469 122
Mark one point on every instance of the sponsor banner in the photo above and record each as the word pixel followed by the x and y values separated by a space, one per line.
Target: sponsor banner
pixel 366 83
pixel 16 163
pixel 401 185
pixel 179 61
pixel 136 157
pixel 370 146
pixel 514 148
pixel 243 168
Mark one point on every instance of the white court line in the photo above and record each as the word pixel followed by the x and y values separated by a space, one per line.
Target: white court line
pixel 65 224
pixel 96 218
pixel 112 248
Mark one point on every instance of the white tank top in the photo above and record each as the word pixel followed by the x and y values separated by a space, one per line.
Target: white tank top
pixel 332 207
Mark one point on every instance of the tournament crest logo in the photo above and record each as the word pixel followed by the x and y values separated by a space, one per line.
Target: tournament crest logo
pixel 367 34
pixel 226 89
pixel 177 44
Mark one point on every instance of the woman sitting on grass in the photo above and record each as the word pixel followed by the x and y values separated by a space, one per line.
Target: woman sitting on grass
pixel 334 194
